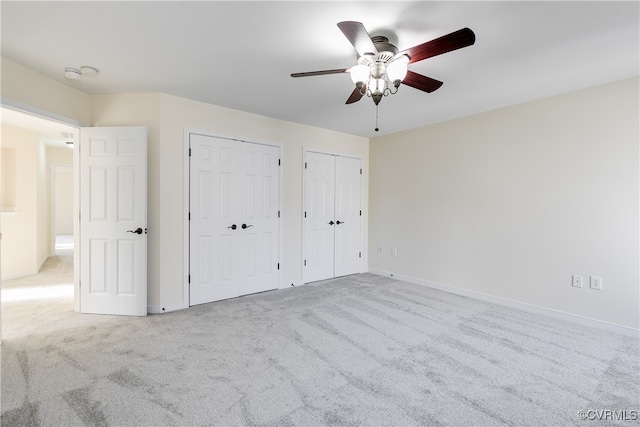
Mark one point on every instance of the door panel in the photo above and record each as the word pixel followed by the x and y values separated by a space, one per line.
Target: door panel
pixel 262 176
pixel 113 194
pixel 319 214
pixel 348 216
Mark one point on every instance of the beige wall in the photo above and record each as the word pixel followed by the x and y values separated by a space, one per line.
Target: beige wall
pixel 167 117
pixel 60 156
pixel 24 87
pixel 511 203
pixel 23 231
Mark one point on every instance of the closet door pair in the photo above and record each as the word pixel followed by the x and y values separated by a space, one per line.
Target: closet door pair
pixel 234 224
pixel 332 216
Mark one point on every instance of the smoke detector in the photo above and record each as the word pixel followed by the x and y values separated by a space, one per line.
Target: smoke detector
pixel 76 74
pixel 72 73
pixel 88 71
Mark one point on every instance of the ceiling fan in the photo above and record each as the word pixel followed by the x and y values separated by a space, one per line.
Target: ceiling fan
pixel 381 67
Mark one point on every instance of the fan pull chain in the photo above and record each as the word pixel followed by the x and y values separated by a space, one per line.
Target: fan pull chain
pixel 376 129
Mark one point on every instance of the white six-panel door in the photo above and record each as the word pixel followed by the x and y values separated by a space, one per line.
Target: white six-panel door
pixel 319 216
pixel 348 213
pixel 234 225
pixel 113 220
pixel 332 222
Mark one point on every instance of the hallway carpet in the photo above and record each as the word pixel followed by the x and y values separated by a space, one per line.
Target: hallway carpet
pixel 360 350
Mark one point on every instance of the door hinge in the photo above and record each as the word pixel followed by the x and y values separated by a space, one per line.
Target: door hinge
pixel 360 213
pixel 305 262
pixel 189 279
pixel 189 152
pixel 278 214
pixel 359 254
pixel 278 266
pixel 360 171
pixel 305 214
pixel 305 165
pixel 279 162
pixel 189 216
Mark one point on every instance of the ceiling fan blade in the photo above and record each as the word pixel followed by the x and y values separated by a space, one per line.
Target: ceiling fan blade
pixel 424 83
pixel 358 36
pixel 356 95
pixel 320 73
pixel 456 40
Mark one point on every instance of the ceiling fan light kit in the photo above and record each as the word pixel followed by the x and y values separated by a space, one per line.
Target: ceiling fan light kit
pixel 381 67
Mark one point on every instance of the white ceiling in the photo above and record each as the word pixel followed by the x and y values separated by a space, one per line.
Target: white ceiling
pixel 241 54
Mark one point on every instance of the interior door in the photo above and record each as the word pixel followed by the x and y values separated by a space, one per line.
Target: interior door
pixel 319 219
pixel 348 214
pixel 113 220
pixel 214 201
pixel 258 233
pixel 234 225
pixel 333 221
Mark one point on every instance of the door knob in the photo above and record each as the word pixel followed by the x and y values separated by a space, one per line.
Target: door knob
pixel 339 222
pixel 331 223
pixel 233 226
pixel 246 226
pixel 136 231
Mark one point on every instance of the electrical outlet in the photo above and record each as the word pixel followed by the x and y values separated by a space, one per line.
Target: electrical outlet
pixel 577 281
pixel 596 283
pixel 394 251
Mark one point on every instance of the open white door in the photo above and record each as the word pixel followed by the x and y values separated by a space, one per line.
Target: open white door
pixel 113 220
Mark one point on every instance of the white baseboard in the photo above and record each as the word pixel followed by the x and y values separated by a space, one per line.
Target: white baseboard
pixel 587 321
pixel 154 309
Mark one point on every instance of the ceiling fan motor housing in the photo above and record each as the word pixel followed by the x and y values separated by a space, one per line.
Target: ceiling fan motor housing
pixel 386 51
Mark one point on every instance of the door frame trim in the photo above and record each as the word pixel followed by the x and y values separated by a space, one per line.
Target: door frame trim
pixel 78 125
pixel 187 202
pixel 306 150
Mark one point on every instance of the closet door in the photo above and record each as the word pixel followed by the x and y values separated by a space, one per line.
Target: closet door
pixel 234 226
pixel 258 230
pixel 332 222
pixel 319 220
pixel 348 216
pixel 214 209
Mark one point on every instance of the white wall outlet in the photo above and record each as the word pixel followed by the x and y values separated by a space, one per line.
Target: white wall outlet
pixel 394 251
pixel 577 281
pixel 380 250
pixel 596 283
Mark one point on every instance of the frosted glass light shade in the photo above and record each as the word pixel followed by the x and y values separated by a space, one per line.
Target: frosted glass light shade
pixel 359 73
pixel 397 70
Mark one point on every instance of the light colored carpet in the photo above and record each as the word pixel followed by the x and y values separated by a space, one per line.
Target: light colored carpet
pixel 360 350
